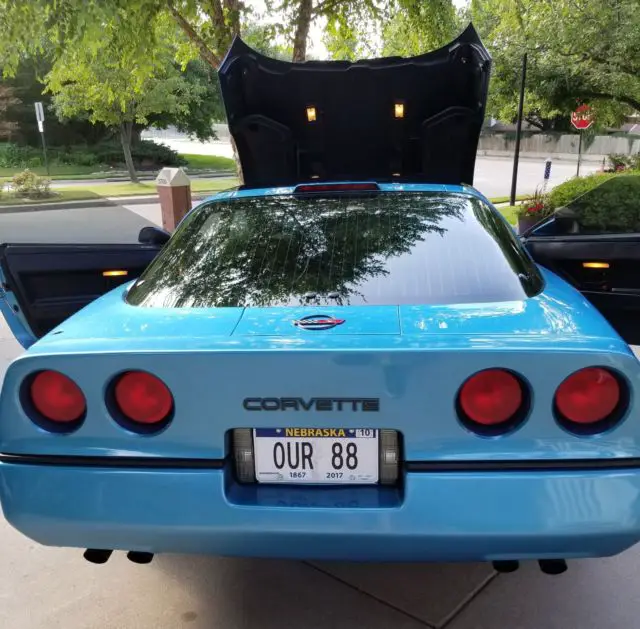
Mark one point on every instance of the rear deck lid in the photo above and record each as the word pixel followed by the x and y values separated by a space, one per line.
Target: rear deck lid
pixel 402 119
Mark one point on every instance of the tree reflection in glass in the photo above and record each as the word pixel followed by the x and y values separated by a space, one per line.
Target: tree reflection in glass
pixel 289 251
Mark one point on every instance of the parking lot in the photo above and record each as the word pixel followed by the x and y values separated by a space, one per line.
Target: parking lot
pixel 49 588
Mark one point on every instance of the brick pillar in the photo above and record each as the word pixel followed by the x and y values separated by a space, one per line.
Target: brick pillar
pixel 174 190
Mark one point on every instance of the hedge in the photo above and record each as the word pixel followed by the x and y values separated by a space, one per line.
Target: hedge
pixel 570 190
pixel 146 154
pixel 611 205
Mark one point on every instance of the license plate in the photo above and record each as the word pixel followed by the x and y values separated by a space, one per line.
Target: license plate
pixel 316 455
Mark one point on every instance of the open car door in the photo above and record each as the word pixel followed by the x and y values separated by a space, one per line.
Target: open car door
pixel 41 285
pixel 593 242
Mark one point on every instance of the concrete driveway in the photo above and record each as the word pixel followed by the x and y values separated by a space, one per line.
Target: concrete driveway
pixel 50 588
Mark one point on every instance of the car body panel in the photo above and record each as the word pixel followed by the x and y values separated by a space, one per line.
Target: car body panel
pixel 421 368
pixel 438 516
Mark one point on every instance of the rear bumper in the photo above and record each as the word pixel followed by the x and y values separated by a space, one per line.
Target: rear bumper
pixel 438 516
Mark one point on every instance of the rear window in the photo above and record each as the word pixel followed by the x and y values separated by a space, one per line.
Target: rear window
pixel 385 248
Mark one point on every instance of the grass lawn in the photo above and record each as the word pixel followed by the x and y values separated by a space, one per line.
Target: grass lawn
pixel 208 162
pixel 64 171
pixel 506 199
pixel 68 195
pixel 148 187
pixel 99 190
pixel 58 171
pixel 509 213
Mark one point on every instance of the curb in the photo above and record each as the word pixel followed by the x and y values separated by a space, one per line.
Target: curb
pixel 89 203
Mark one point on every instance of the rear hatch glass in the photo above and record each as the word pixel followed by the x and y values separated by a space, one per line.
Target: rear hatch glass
pixel 376 249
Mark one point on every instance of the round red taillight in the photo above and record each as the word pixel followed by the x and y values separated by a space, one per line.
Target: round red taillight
pixel 492 401
pixel 143 398
pixel 589 396
pixel 57 398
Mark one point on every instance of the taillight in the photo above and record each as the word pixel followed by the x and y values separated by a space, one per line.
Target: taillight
pixel 590 400
pixel 492 402
pixel 143 399
pixel 56 400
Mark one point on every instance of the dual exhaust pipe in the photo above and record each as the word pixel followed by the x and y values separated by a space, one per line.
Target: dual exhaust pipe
pixel 100 556
pixel 548 566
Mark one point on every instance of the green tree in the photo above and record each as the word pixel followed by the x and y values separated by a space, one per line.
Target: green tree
pixel 208 26
pixel 418 26
pixel 203 107
pixel 299 15
pixel 584 50
pixel 8 100
pixel 27 87
pixel 100 82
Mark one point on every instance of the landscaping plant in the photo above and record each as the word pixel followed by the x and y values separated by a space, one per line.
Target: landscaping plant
pixel 28 184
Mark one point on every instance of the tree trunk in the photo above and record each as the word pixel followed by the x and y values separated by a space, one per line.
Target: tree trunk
pixel 125 139
pixel 236 157
pixel 233 12
pixel 303 21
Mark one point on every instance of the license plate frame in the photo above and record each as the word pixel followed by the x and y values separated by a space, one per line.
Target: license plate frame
pixel 289 463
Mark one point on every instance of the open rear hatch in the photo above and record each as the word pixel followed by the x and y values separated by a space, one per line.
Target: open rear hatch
pixel 400 119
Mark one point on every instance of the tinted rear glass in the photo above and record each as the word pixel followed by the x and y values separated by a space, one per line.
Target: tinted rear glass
pixel 386 248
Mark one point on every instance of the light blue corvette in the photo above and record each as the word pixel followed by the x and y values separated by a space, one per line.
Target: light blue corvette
pixel 353 367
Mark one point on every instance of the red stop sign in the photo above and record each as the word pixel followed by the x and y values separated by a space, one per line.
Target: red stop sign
pixel 581 118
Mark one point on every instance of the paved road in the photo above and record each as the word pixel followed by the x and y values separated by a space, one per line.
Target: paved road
pixel 492 176
pixel 113 224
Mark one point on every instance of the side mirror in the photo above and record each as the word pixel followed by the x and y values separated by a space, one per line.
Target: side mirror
pixel 153 236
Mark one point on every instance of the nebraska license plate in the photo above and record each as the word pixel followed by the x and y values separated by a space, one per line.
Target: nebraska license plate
pixel 316 455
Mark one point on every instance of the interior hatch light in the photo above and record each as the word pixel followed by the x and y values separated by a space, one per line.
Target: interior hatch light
pixel 115 273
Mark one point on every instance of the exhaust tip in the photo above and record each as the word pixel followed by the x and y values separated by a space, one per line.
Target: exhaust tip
pixel 505 567
pixel 139 557
pixel 553 566
pixel 97 555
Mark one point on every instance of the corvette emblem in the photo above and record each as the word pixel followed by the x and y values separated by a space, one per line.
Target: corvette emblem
pixel 318 322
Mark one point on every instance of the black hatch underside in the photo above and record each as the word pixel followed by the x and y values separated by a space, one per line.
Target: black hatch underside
pixel 403 119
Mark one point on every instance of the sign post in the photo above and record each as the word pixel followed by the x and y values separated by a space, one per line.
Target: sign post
pixel 547 173
pixel 40 119
pixel 581 119
pixel 516 157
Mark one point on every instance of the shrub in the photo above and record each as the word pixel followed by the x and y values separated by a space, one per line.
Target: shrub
pixel 28 184
pixel 145 154
pixel 619 161
pixel 568 191
pixel 536 207
pixel 611 205
pixel 14 156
